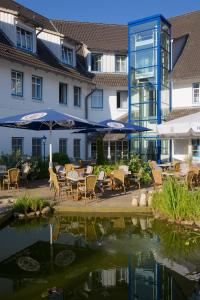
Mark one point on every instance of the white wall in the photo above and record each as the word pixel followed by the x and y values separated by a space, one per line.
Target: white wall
pixel 11 105
pixel 109 110
pixel 182 93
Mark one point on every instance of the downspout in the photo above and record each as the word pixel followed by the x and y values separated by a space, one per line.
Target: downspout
pixel 86 117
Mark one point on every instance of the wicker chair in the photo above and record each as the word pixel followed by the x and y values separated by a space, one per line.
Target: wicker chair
pixel 119 179
pixel 157 176
pixel 124 168
pixel 89 170
pixel 153 164
pixel 69 167
pixel 88 187
pixel 60 187
pixel 177 166
pixel 12 178
pixel 192 179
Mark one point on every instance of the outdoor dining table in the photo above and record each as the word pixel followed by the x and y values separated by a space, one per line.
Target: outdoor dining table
pixel 165 166
pixel 76 180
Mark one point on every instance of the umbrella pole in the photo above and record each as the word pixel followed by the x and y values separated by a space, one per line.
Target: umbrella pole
pixel 50 148
pixel 109 154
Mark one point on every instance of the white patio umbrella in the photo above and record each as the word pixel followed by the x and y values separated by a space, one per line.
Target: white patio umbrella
pixel 184 127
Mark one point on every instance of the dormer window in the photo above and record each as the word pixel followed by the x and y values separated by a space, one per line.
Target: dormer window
pixel 67 56
pixel 96 62
pixel 120 63
pixel 24 39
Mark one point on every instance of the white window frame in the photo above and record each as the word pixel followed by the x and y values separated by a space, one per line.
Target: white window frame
pixel 23 40
pixel 77 148
pixel 17 79
pixel 99 62
pixel 17 139
pixel 65 99
pixel 95 97
pixel 122 64
pixel 67 55
pixel 37 145
pixel 37 81
pixel 62 146
pixel 195 89
pixel 77 96
pixel 120 100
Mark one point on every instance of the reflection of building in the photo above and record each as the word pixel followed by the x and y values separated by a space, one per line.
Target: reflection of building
pixel 149 84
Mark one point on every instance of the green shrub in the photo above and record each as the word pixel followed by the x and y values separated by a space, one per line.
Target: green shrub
pixel 100 151
pixel 176 201
pixel 60 158
pixel 26 204
pixel 136 165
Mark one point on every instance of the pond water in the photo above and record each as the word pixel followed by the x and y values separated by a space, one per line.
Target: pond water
pixel 118 257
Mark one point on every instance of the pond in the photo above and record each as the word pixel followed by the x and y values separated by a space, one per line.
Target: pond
pixel 116 257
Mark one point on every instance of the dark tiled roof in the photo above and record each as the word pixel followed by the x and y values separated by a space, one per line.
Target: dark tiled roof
pixel 181 112
pixel 110 79
pixel 97 36
pixel 188 64
pixel 44 59
pixel 28 14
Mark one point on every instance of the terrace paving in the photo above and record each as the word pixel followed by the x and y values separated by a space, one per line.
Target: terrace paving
pixel 110 201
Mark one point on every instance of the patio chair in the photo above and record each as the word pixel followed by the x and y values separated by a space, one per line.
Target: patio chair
pixel 60 172
pixel 26 168
pixel 191 179
pixel 157 177
pixel 124 168
pixel 68 168
pixel 153 164
pixel 100 181
pixel 60 187
pixel 88 187
pixel 119 180
pixel 177 166
pixel 89 170
pixel 12 178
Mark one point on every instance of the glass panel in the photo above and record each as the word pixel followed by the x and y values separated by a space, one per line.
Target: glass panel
pixel 144 111
pixel 143 93
pixel 165 147
pixel 196 148
pixel 164 77
pixel 143 40
pixel 165 95
pixel 165 41
pixel 165 59
pixel 165 109
pixel 143 58
pixel 146 75
pixel 144 26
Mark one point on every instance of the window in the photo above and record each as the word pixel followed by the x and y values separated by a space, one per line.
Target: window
pixel 24 39
pixel 62 93
pixel 36 87
pixel 67 56
pixel 97 99
pixel 120 63
pixel 17 83
pixel 96 62
pixel 17 145
pixel 36 147
pixel 195 90
pixel 77 96
pixel 77 150
pixel 122 99
pixel 63 146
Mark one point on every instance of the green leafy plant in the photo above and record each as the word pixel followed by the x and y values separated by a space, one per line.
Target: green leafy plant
pixel 100 151
pixel 176 201
pixel 25 204
pixel 60 158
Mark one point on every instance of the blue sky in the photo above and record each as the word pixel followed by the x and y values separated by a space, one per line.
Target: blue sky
pixel 110 11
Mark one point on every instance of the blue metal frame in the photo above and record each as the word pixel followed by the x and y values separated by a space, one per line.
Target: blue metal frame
pixel 159 19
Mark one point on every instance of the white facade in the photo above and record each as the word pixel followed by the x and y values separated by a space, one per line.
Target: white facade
pixel 11 105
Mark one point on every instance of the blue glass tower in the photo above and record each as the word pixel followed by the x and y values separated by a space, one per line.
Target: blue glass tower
pixel 149 43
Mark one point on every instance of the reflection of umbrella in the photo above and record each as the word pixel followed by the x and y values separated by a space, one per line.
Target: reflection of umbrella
pixel 113 126
pixel 47 119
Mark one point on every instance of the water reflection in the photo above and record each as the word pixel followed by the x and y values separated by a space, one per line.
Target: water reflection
pixel 99 257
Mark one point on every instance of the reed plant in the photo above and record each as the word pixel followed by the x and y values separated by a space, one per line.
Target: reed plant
pixel 176 202
pixel 26 204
